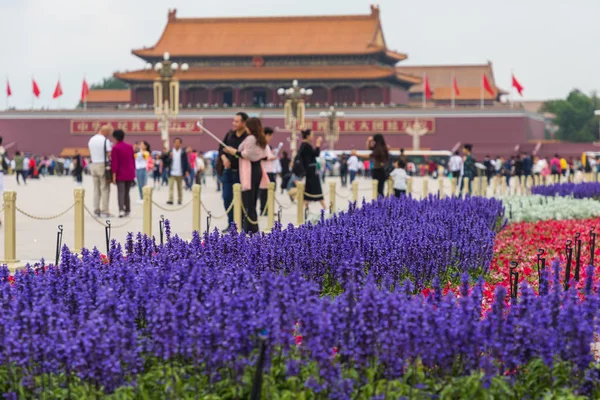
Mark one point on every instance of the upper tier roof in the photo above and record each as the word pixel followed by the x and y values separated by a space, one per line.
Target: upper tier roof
pixel 109 96
pixel 272 36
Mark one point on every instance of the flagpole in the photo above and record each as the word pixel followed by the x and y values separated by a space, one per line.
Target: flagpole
pixel 510 94
pixel 32 98
pixel 84 97
pixel 424 100
pixel 7 85
pixel 482 91
pixel 453 89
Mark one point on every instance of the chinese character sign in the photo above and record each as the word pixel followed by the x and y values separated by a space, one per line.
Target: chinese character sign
pixel 372 126
pixel 135 126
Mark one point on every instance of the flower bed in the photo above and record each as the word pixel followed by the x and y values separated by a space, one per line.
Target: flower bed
pixel 583 190
pixel 165 326
pixel 540 208
pixel 331 310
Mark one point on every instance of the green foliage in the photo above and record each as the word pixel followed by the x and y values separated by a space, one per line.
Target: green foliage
pixel 575 116
pixel 179 379
pixel 109 83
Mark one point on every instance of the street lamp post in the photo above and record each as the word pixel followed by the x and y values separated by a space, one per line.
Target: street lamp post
pixel 597 114
pixel 332 131
pixel 166 93
pixel 294 110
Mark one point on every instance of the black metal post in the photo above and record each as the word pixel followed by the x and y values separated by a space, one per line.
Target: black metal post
pixel 208 220
pixel 569 254
pixel 256 392
pixel 161 228
pixel 577 255
pixel 59 236
pixel 513 285
pixel 107 235
pixel 592 245
pixel 541 264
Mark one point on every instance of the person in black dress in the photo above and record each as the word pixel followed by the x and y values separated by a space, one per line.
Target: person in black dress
pixel 308 155
pixel 284 161
pixel 381 159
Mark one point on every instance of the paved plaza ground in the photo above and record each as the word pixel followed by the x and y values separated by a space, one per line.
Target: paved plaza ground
pixel 52 195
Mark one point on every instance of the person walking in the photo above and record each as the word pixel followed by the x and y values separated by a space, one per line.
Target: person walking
pixel 123 166
pixel 100 147
pixel 19 168
pixel 284 163
pixel 381 158
pixel 180 168
pixel 166 166
pixel 78 168
pixel 229 164
pixel 308 156
pixel 252 175
pixel 141 167
pixel 191 155
pixel 455 165
pixel 200 169
pixel 157 171
pixel 269 167
pixel 468 167
pixel 344 170
pixel 400 178
pixel 353 165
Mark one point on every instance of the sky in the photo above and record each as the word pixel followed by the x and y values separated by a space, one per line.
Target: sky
pixel 550 45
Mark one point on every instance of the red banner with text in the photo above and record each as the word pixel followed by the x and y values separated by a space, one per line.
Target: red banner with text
pixel 372 126
pixel 135 126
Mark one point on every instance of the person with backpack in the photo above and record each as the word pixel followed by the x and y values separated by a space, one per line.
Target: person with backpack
pixel 555 168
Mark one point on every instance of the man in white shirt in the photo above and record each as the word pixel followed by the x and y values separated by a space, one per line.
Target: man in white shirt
pixel 180 167
pixel 455 165
pixel 100 147
pixel 354 165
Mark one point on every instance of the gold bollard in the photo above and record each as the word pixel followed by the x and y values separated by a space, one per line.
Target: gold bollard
pixel 10 227
pixel 332 197
pixel 495 186
pixel 390 183
pixel 355 191
pixel 465 189
pixel 484 186
pixel 409 186
pixel 475 185
pixel 270 206
pixel 300 203
pixel 196 207
pixel 147 220
pixel 441 187
pixel 237 206
pixel 503 186
pixel 425 187
pixel 453 186
pixel 375 193
pixel 79 194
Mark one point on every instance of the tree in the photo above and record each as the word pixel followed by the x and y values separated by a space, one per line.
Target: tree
pixel 109 83
pixel 574 116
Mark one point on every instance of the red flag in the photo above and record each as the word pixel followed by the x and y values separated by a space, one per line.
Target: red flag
pixel 517 85
pixel 427 88
pixel 57 91
pixel 487 86
pixel 36 89
pixel 455 87
pixel 8 91
pixel 84 90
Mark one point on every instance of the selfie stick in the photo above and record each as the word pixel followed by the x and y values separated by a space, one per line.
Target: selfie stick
pixel 212 135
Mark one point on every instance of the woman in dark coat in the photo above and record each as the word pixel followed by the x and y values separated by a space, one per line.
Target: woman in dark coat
pixel 381 159
pixel 308 155
pixel 284 162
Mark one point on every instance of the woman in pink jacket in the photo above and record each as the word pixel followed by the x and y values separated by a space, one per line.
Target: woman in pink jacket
pixel 251 152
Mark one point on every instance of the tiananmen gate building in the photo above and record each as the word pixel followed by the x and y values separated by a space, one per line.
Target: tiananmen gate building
pixel 240 63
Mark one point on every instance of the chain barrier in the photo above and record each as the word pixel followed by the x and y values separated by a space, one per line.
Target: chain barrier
pixel 45 218
pixel 173 209
pixel 345 197
pixel 248 218
pixel 220 216
pixel 104 224
pixel 282 206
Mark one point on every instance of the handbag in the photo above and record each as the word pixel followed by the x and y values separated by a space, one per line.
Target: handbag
pixel 107 169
